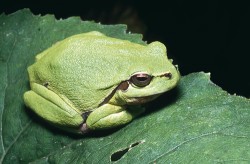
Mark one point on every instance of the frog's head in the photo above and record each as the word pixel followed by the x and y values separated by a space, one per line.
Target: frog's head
pixel 151 76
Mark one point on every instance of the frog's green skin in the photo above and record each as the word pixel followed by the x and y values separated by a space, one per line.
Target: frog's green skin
pixel 85 82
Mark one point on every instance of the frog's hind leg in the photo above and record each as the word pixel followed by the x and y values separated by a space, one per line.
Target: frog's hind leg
pixel 109 116
pixel 52 108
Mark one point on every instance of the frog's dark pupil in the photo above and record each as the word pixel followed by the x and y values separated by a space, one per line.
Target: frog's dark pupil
pixel 142 78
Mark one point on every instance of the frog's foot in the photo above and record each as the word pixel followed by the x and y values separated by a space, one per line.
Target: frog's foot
pixel 83 127
pixel 110 116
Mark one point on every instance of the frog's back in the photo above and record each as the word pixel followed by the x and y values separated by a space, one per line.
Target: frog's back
pixel 85 67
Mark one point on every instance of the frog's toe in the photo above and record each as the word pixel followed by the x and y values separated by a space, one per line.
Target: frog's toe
pixel 84 128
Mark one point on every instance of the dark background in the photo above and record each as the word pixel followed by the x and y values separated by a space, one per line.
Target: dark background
pixel 208 35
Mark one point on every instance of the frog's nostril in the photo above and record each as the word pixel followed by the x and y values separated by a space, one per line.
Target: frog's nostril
pixel 168 75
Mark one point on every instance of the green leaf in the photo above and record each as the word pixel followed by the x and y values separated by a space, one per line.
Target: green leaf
pixel 197 122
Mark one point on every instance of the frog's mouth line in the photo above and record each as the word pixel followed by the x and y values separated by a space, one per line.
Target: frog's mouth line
pixel 142 100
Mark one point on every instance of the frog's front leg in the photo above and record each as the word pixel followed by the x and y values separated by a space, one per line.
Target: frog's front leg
pixel 53 108
pixel 109 116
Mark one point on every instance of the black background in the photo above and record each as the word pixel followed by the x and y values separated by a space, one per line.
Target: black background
pixel 201 35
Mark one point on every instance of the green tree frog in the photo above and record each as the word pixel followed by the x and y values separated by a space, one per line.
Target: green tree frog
pixel 89 81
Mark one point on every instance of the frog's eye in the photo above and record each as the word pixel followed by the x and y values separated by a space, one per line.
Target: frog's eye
pixel 141 79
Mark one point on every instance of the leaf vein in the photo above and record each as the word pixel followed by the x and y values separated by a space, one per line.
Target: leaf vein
pixel 15 139
pixel 4 96
pixel 183 143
